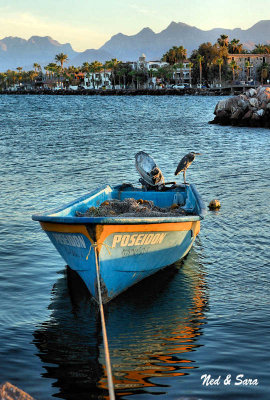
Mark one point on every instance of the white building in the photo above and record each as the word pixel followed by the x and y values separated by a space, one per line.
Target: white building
pixel 103 79
pixel 183 75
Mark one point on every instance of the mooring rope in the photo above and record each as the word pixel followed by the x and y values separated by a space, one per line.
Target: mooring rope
pixel 107 247
pixel 104 332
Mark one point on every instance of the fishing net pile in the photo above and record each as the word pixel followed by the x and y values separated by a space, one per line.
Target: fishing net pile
pixel 130 208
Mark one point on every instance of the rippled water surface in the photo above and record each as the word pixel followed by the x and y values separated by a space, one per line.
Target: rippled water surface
pixel 209 315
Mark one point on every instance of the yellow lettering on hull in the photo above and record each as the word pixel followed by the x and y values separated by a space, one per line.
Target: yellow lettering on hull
pixel 124 240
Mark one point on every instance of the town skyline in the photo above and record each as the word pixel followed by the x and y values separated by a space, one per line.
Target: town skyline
pixel 90 25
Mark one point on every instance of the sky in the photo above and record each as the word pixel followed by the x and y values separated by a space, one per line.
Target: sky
pixel 89 24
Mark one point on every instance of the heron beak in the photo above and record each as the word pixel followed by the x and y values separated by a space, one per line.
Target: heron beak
pixel 198 154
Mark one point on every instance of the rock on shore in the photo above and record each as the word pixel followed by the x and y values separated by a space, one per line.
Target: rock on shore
pixel 249 109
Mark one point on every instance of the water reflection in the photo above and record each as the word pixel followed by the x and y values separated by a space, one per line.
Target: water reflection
pixel 153 331
pixel 69 342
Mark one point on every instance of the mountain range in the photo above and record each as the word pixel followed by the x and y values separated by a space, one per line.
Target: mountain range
pixel 17 52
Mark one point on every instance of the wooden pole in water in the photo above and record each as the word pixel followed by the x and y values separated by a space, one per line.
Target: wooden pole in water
pixel 104 332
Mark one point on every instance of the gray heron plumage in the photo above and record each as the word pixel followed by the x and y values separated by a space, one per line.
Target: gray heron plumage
pixel 186 161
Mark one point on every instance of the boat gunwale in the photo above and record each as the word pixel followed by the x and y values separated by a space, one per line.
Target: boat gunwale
pixel 49 216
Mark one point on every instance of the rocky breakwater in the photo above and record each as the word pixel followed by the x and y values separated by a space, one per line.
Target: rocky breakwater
pixel 249 109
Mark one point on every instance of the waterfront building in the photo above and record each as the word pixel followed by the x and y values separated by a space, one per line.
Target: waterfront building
pixel 248 65
pixel 183 75
pixel 247 69
pixel 97 80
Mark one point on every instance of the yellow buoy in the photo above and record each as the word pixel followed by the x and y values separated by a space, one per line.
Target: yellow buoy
pixel 214 204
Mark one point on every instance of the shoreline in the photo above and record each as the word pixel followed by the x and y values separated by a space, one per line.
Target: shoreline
pixel 131 92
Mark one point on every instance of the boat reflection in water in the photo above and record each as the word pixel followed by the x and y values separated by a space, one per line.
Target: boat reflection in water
pixel 153 330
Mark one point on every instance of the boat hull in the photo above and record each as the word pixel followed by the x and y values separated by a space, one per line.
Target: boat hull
pixel 127 253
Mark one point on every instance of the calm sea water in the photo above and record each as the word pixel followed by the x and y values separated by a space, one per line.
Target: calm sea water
pixel 209 315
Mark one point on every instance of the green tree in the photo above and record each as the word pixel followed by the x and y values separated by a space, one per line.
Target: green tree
pixel 267 48
pixel 54 71
pixel 235 47
pixel 259 49
pixel 223 40
pixel 122 71
pixel 51 70
pixel 106 66
pixel 248 66
pixel 233 67
pixel 220 62
pixel 164 74
pixel 61 58
pixel 36 67
pixel 190 66
pixel 175 55
pixel 263 72
pixel 11 77
pixel 31 75
pixel 200 59
pixel 3 79
pixel 86 68
pixel 95 67
pixel 210 54
pixel 140 76
pixel 112 64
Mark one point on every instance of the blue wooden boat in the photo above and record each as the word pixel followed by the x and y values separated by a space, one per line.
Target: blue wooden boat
pixel 129 249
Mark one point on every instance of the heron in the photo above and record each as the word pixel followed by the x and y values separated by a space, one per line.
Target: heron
pixel 186 161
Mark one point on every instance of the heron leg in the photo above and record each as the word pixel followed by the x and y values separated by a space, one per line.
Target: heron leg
pixel 184 173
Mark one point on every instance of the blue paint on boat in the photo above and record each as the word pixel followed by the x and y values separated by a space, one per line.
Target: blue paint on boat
pixel 129 248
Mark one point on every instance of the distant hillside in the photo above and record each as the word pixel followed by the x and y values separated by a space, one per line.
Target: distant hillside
pixel 154 45
pixel 16 52
pixel 90 55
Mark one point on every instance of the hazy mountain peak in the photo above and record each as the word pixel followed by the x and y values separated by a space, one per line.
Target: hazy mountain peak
pixel 16 51
pixel 262 22
pixel 178 25
pixel 146 32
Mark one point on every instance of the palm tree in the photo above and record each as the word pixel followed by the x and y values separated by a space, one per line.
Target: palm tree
pixel 73 70
pixel 86 68
pixel 20 73
pixel 181 53
pixel 51 68
pixel 263 71
pixel 267 48
pixel 235 47
pixel 264 74
pixel 36 67
pixel 61 58
pixel 164 73
pixel 106 66
pixel 259 49
pixel 220 63
pixel 248 66
pixel 47 70
pixel 31 75
pixel 122 70
pixel 3 78
pixel 190 66
pixel 112 64
pixel 95 67
pixel 233 66
pixel 175 55
pixel 223 41
pixel 12 76
pixel 200 59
